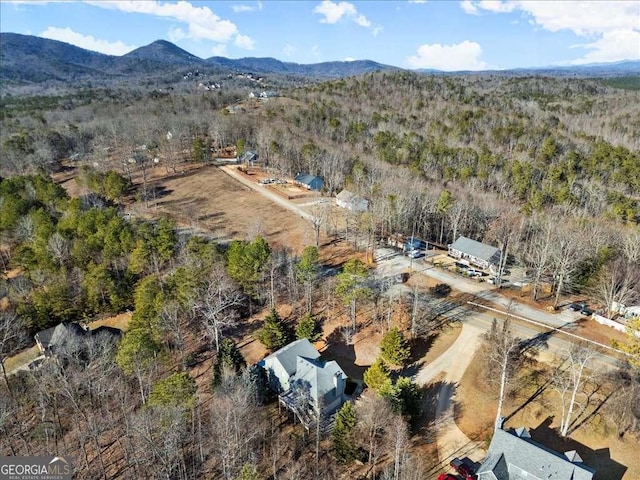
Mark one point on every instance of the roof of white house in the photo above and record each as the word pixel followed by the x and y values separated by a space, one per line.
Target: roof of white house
pixel 318 376
pixel 475 248
pixel 511 453
pixel 288 355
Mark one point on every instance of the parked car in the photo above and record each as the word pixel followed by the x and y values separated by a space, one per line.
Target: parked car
pixel 577 306
pixel 464 467
pixel 415 253
pixel 447 476
pixel 494 280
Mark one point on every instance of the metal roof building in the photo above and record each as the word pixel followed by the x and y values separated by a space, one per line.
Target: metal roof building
pixel 477 253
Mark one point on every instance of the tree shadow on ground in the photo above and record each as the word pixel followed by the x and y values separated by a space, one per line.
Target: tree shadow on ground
pixel 345 354
pixel 600 460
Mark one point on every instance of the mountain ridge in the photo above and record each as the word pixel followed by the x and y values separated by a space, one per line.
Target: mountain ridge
pixel 28 59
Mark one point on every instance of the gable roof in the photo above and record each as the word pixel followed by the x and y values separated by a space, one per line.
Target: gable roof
pixel 307 179
pixel 352 199
pixel 475 248
pixel 249 156
pixel 511 453
pixel 287 356
pixel 318 376
pixel 61 333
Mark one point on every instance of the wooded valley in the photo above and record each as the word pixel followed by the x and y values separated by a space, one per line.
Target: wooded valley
pixel 545 169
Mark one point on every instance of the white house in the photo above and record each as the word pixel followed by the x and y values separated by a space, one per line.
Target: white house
pixel 306 384
pixel 350 201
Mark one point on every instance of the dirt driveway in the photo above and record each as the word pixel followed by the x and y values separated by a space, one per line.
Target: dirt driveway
pixel 449 368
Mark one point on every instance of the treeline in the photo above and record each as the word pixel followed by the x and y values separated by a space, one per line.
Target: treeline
pixel 142 407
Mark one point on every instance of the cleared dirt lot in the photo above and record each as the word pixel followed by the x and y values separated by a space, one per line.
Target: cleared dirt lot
pixel 210 200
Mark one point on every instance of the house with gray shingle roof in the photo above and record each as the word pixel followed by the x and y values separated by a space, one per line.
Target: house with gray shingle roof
pixel 350 201
pixel 56 338
pixel 476 253
pixel 513 455
pixel 307 385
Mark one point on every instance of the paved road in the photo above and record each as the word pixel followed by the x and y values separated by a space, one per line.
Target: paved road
pixel 263 190
pixel 392 262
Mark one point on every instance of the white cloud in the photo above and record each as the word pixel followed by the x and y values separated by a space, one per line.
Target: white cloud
pixel 469 7
pixel 87 41
pixel 288 50
pixel 219 50
pixel 242 8
pixel 176 34
pixel 497 6
pixel 460 56
pixel 612 26
pixel 612 47
pixel 315 51
pixel 417 1
pixel 243 41
pixel 333 12
pixel 349 59
pixel 201 22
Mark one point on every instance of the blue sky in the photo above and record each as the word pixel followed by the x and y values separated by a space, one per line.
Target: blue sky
pixel 445 35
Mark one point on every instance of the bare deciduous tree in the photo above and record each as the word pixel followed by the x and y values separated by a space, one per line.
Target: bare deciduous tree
pixel 217 304
pixel 618 283
pixel 12 336
pixel 568 380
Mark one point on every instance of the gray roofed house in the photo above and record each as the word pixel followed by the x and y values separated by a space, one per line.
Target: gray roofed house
pixel 477 253
pixel 56 338
pixel 67 337
pixel 308 385
pixel 512 455
pixel 351 201
pixel 310 182
pixel 282 364
pixel 249 157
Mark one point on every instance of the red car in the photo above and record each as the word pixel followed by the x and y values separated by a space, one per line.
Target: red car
pixel 446 476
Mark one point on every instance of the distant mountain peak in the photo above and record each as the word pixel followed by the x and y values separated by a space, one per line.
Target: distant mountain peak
pixel 164 52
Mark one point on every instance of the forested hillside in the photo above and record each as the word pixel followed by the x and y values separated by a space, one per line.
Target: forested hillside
pixel 545 169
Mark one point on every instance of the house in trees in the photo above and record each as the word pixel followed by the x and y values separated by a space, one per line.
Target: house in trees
pixel 68 337
pixel 513 454
pixel 306 384
pixel 476 253
pixel 249 158
pixel 310 182
pixel 350 201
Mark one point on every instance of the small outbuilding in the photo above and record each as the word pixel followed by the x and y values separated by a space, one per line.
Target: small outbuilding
pixel 310 182
pixel 476 253
pixel 350 201
pixel 249 158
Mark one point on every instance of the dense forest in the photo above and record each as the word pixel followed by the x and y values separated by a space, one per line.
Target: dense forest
pixel 546 169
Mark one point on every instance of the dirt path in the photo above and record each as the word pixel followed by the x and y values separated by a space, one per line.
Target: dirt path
pixel 449 368
pixel 274 197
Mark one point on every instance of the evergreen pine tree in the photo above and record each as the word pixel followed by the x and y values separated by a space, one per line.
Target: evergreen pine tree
pixel 394 348
pixel 343 434
pixel 229 358
pixel 377 374
pixel 273 334
pixel 308 328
